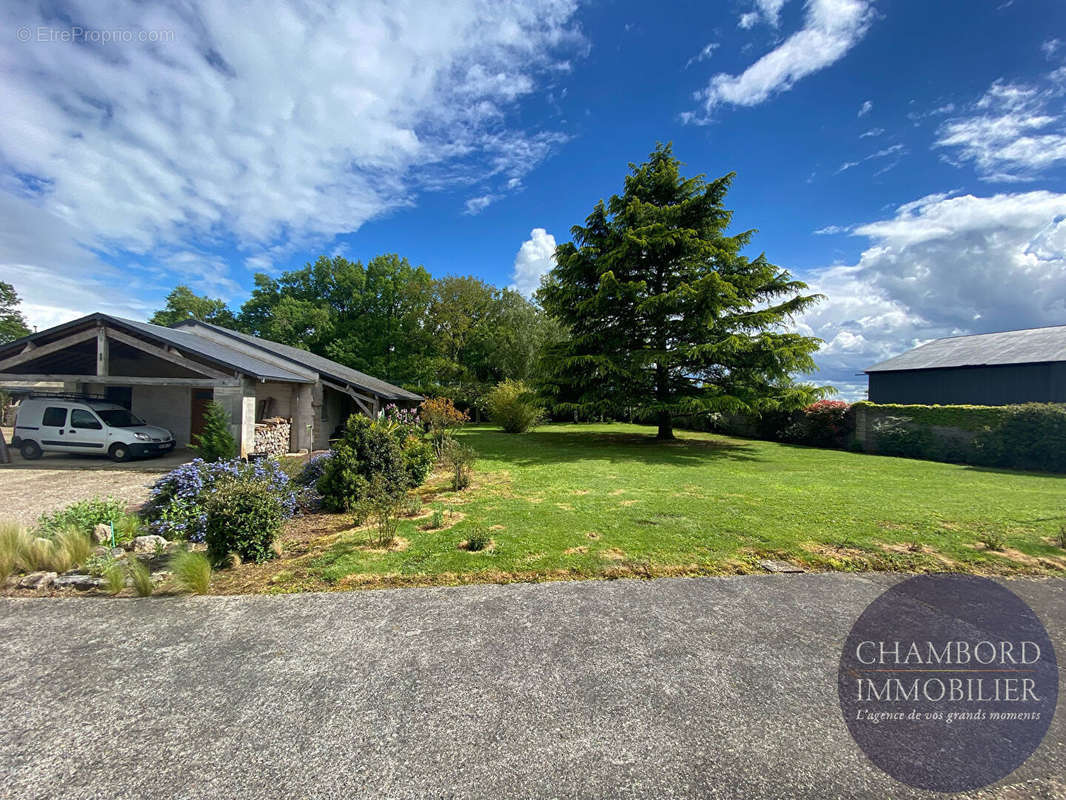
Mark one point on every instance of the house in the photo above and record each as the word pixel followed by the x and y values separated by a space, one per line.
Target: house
pixel 990 369
pixel 169 375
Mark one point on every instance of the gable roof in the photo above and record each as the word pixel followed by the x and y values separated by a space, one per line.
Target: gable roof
pixel 195 345
pixel 304 358
pixel 1029 346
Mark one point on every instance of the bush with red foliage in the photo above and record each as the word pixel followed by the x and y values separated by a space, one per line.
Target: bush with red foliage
pixel 827 423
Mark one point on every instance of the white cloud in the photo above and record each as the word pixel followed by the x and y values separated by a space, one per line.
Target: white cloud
pixel 703 55
pixel 535 258
pixel 866 108
pixel 1051 46
pixel 896 149
pixel 475 205
pixel 1011 134
pixel 263 137
pixel 830 29
pixel 872 132
pixel 830 230
pixel 942 266
pixel 769 11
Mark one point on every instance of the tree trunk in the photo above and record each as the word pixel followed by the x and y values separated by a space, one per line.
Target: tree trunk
pixel 666 427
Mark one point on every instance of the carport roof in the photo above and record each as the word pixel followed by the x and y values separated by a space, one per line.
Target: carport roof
pixel 188 342
pixel 308 360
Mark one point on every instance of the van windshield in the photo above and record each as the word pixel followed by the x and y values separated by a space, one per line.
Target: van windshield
pixel 120 418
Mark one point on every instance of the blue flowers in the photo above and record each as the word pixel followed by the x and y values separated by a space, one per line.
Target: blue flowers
pixel 175 506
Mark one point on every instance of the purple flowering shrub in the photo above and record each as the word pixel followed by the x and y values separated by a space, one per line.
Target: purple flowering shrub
pixel 401 422
pixel 313 469
pixel 175 508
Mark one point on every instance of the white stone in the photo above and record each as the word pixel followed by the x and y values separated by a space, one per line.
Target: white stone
pixel 149 544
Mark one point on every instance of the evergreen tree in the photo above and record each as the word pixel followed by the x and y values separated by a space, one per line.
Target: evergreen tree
pixel 216 443
pixel 665 317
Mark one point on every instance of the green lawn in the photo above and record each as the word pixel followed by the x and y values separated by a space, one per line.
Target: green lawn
pixel 608 500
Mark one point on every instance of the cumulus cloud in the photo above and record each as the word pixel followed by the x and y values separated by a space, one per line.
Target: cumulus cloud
pixel 1012 133
pixel 942 266
pixel 263 137
pixel 866 108
pixel 830 29
pixel 535 258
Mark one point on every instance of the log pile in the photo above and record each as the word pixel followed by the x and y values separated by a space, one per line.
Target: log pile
pixel 272 436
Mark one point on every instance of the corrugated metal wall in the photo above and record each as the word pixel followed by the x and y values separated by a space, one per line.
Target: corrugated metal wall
pixel 984 386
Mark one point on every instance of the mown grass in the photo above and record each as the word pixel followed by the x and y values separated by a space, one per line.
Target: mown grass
pixel 608 501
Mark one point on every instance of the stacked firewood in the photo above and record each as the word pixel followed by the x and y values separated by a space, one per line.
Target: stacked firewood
pixel 272 436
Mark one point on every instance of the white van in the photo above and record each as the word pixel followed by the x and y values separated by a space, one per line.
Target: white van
pixel 69 424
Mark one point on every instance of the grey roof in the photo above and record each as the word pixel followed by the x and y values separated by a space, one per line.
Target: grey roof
pixel 324 366
pixel 1030 346
pixel 195 345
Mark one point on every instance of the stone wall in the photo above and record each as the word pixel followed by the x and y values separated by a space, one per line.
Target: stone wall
pixel 272 436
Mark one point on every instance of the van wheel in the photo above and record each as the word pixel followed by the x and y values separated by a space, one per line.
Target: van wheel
pixel 119 452
pixel 31 451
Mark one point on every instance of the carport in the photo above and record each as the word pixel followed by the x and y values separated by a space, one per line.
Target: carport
pixel 168 376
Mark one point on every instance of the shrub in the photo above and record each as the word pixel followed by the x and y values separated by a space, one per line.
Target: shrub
pixel 401 422
pixel 140 577
pixel 895 436
pixel 176 504
pixel 513 406
pixel 412 506
pixel 826 423
pixel 216 443
pixel 418 458
pixel 992 540
pixel 441 418
pixel 192 571
pixel 84 515
pixel 437 519
pixel 313 469
pixel 477 540
pixel 242 517
pixel 1030 436
pixel 381 508
pixel 460 459
pixel 363 452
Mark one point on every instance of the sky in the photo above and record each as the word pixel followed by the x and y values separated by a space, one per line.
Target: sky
pixel 906 158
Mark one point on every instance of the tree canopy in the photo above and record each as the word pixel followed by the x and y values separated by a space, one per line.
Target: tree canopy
pixel 183 304
pixel 12 324
pixel 455 335
pixel 665 316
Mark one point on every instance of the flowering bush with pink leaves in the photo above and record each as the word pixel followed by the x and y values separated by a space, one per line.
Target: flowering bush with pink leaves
pixel 827 423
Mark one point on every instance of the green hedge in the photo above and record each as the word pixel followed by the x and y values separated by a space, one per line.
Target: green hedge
pixel 1028 436
pixel 966 418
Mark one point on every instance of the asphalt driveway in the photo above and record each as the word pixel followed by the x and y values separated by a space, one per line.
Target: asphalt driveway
pixel 715 687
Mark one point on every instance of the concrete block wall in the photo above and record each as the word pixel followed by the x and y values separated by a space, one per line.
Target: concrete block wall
pixel 239 402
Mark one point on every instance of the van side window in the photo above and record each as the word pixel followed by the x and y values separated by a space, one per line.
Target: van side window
pixel 54 417
pixel 80 418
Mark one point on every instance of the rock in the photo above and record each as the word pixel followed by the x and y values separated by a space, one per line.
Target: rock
pixel 149 544
pixel 81 582
pixel 102 534
pixel 37 580
pixel 117 552
pixel 772 565
pixel 12 581
pixel 100 552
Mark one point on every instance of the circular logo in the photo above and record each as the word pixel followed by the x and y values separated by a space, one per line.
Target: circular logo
pixel 948 682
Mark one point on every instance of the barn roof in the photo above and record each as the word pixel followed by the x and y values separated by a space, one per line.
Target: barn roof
pixel 1029 346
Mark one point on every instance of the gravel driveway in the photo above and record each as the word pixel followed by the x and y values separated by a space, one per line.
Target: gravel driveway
pixel 709 687
pixel 31 488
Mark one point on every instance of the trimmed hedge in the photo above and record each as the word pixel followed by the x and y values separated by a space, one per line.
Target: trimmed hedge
pixel 966 418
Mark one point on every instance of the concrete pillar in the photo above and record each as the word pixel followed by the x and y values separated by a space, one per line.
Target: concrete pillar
pixel 321 432
pixel 303 417
pixel 239 402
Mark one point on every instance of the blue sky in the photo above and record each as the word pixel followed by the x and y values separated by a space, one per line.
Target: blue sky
pixel 908 159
